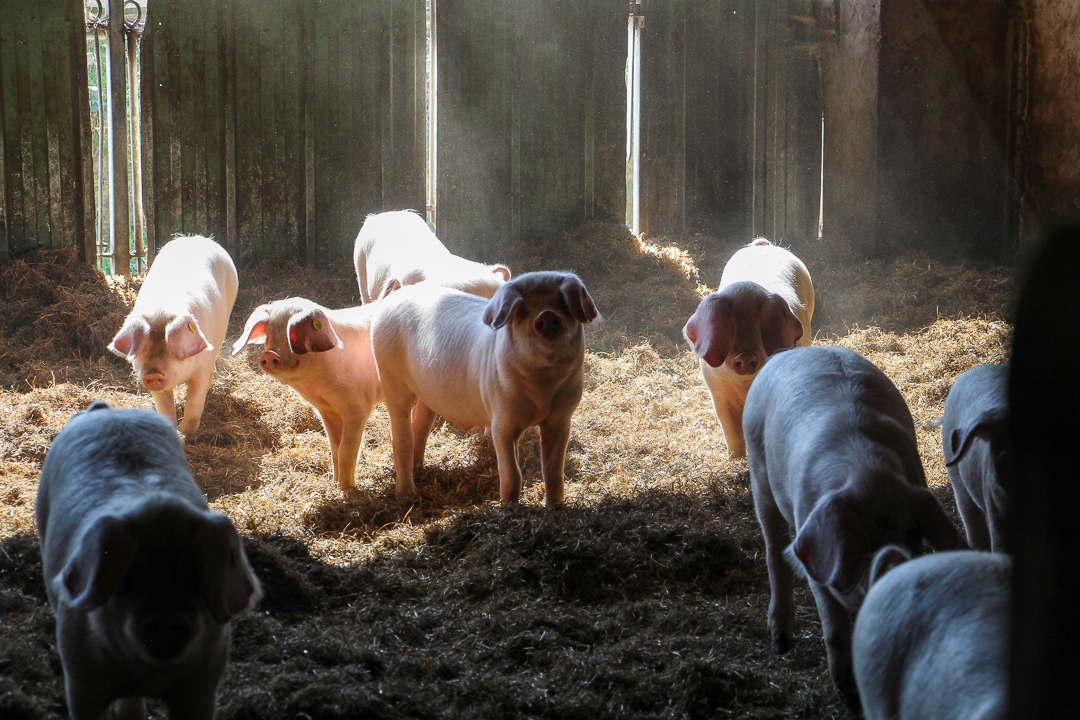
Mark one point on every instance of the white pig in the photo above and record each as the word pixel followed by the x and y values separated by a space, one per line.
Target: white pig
pixel 931 639
pixel 143 578
pixel 506 364
pixel 398 248
pixel 973 440
pixel 176 328
pixel 763 306
pixel 325 355
pixel 833 455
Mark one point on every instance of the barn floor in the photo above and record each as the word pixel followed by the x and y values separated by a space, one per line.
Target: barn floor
pixel 643 597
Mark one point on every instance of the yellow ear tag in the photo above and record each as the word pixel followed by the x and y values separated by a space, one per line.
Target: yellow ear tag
pixel 193 327
pixel 317 323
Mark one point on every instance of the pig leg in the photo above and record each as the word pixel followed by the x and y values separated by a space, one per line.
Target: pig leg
pixel 351 436
pixel 334 424
pixel 423 418
pixel 781 577
pixel 131 709
pixel 836 627
pixel 193 406
pixel 997 535
pixel 554 437
pixel 978 535
pixel 163 399
pixel 730 418
pixel 84 703
pixel 400 407
pixel 505 437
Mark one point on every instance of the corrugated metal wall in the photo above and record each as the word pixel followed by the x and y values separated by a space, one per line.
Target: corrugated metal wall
pixel 532 114
pixel 277 127
pixel 45 167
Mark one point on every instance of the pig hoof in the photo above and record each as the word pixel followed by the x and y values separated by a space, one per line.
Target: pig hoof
pixel 781 644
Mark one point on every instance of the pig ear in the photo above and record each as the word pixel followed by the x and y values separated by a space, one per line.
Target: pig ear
pixel 886 559
pixel 932 522
pixel 577 299
pixel 129 341
pixel 833 544
pixel 709 330
pixel 228 586
pixel 255 329
pixel 391 286
pixel 312 331
pixel 185 337
pixel 990 425
pixel 780 329
pixel 501 270
pixel 501 306
pixel 95 572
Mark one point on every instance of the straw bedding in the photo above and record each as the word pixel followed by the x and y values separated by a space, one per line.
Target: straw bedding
pixel 643 597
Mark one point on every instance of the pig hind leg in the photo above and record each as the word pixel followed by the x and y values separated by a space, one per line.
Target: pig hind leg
pixel 399 405
pixel 423 418
pixel 777 533
pixel 836 628
pixel 554 437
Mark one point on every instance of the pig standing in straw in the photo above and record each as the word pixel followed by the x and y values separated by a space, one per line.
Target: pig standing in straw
pixel 143 578
pixel 931 641
pixel 506 364
pixel 763 306
pixel 176 328
pixel 325 355
pixel 398 248
pixel 833 455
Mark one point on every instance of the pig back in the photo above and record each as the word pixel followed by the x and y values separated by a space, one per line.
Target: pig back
pixel 778 271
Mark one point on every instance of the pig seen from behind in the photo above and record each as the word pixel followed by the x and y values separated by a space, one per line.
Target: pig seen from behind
pixel 833 456
pixel 143 578
pixel 931 640
pixel 764 305
pixel 973 438
pixel 507 364
pixel 174 332
pixel 398 248
pixel 325 355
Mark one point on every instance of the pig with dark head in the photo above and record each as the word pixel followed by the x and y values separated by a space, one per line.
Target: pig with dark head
pixel 764 305
pixel 506 364
pixel 174 332
pixel 325 355
pixel 144 579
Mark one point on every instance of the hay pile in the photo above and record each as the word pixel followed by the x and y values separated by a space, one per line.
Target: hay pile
pixel 643 597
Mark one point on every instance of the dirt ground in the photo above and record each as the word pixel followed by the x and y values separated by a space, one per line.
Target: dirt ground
pixel 643 597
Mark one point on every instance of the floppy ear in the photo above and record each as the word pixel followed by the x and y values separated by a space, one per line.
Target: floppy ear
pixel 94 573
pixel 990 425
pixel 312 331
pixel 255 329
pixel 185 337
pixel 225 579
pixel 932 521
pixel 833 544
pixel 886 559
pixel 577 299
pixel 129 341
pixel 391 286
pixel 780 329
pixel 709 330
pixel 502 305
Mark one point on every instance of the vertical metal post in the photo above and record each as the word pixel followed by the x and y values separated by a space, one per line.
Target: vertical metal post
pixel 633 113
pixel 432 105
pixel 118 113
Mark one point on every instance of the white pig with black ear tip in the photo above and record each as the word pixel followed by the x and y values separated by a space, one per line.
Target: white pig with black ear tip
pixel 931 640
pixel 143 578
pixel 325 355
pixel 973 438
pixel 833 456
pixel 764 305
pixel 173 334
pixel 398 248
pixel 506 364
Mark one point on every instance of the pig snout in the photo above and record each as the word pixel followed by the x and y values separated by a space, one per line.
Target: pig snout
pixel 548 324
pixel 154 380
pixel 270 362
pixel 745 363
pixel 166 635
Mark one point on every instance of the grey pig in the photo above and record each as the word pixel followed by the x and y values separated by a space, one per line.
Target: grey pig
pixel 832 453
pixel 143 578
pixel 973 440
pixel 931 639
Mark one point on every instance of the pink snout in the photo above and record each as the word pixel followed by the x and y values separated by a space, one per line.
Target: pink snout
pixel 745 363
pixel 270 362
pixel 548 324
pixel 154 381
